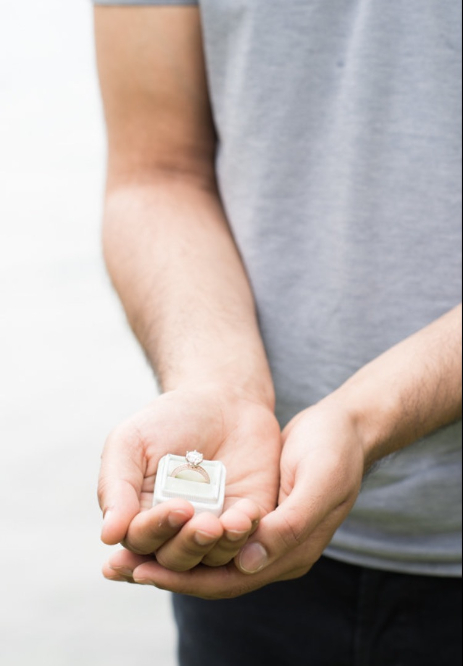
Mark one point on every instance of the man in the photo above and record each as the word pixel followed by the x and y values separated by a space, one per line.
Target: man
pixel 283 228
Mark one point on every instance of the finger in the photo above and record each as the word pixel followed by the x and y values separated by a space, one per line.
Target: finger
pixel 187 549
pixel 223 582
pixel 151 529
pixel 238 523
pixel 121 564
pixel 123 572
pixel 120 483
pixel 203 582
pixel 114 577
pixel 232 518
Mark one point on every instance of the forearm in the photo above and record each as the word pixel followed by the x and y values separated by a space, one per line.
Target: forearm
pixel 175 265
pixel 410 391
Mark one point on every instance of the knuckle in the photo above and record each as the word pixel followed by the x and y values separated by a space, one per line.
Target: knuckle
pixel 293 530
pixel 136 548
pixel 102 490
pixel 219 559
pixel 179 562
pixel 126 435
pixel 117 434
pixel 175 566
pixel 190 551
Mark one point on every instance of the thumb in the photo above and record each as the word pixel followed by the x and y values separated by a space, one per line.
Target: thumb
pixel 120 484
pixel 283 530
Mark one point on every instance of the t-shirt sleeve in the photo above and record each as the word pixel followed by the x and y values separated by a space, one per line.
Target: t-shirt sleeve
pixel 145 2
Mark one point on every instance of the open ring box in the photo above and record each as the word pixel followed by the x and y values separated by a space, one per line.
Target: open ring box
pixel 189 485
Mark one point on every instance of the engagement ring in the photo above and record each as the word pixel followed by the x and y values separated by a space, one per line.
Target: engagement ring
pixel 193 464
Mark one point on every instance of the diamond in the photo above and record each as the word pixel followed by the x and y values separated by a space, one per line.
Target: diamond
pixel 194 458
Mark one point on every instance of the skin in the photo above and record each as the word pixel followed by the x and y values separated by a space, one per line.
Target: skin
pixel 173 261
pixel 178 273
pixel 216 422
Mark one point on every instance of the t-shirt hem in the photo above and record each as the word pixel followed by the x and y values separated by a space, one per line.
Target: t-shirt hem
pixel 145 2
pixel 436 569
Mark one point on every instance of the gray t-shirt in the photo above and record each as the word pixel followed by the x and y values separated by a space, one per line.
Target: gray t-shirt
pixel 339 166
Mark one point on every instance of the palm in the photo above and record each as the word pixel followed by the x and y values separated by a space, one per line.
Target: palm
pixel 242 434
pixel 223 424
pixel 251 453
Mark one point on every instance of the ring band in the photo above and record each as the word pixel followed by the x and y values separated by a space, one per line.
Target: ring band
pixel 190 468
pixel 193 464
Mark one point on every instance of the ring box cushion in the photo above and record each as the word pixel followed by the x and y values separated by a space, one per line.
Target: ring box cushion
pixel 190 486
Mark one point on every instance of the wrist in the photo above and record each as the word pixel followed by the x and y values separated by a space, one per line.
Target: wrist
pixel 409 392
pixel 375 415
pixel 251 381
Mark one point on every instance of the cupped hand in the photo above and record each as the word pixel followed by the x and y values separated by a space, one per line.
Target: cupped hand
pixel 322 467
pixel 225 424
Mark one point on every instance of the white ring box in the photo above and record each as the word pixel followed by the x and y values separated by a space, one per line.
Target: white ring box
pixel 189 485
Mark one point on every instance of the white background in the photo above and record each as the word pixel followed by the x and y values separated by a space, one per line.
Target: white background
pixel 69 369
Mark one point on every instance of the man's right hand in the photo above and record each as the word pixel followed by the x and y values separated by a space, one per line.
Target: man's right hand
pixel 225 424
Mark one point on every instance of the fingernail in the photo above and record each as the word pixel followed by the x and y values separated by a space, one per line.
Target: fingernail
pixel 253 558
pixel 107 517
pixel 204 538
pixel 236 536
pixel 123 571
pixel 177 519
pixel 114 576
pixel 144 581
pixel 255 525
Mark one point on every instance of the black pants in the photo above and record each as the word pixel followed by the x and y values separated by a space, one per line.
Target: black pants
pixel 337 615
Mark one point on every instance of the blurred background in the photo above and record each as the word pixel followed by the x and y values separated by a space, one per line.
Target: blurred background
pixel 69 368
